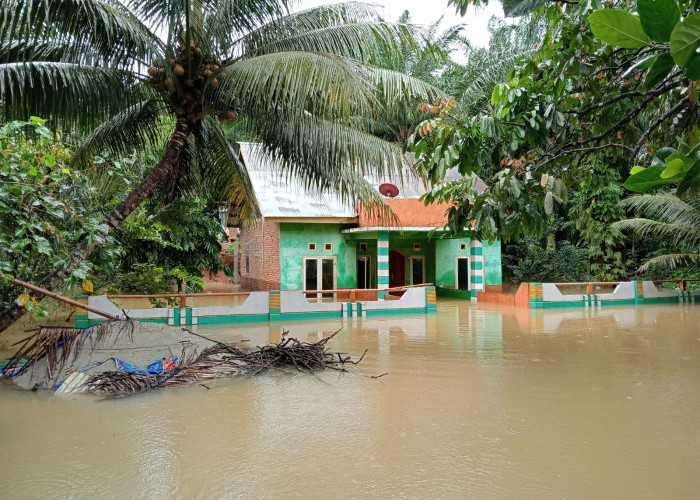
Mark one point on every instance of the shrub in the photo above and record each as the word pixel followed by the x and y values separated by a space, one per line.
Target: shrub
pixel 532 263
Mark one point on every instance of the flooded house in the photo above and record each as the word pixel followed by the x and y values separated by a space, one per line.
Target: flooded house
pixel 310 240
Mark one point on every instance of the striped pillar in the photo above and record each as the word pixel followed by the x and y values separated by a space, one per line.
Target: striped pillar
pixel 382 262
pixel 275 305
pixel 638 292
pixel 476 261
pixel 81 315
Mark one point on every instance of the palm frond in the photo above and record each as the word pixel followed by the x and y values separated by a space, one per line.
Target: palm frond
pixel 318 152
pixel 284 82
pixel 137 127
pixel 226 177
pixel 362 41
pixel 476 97
pixel 672 261
pixel 21 50
pixel 71 94
pixel 250 41
pixel 665 207
pixel 106 25
pixel 675 234
pixel 395 87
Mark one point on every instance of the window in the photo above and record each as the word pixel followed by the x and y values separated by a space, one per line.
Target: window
pixel 417 270
pixel 319 274
pixel 463 247
pixel 416 247
pixel 312 247
pixel 247 264
pixel 363 271
pixel 328 247
pixel 462 278
pixel 363 247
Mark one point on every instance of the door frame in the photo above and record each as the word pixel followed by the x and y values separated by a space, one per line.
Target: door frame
pixel 405 258
pixel 319 273
pixel 469 271
pixel 368 260
pixel 410 266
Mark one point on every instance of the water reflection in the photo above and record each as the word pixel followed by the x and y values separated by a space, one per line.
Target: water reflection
pixel 478 402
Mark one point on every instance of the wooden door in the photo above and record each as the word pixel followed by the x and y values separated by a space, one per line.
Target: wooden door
pixel 397 269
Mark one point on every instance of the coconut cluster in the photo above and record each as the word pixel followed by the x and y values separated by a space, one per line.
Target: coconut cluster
pixel 186 92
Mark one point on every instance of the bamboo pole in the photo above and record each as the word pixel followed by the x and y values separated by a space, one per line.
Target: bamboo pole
pixel 66 300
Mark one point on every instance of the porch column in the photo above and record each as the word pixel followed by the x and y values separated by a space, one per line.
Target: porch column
pixel 382 262
pixel 477 265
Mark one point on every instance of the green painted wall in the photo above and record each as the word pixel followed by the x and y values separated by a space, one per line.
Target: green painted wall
pixel 405 246
pixel 445 252
pixel 439 253
pixel 294 241
pixel 492 263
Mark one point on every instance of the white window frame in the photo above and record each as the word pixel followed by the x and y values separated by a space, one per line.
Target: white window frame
pixel 319 275
pixel 469 271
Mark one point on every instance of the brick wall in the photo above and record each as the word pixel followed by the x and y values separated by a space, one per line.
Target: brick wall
pixel 260 247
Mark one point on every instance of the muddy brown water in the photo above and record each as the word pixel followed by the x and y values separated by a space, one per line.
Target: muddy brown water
pixel 478 403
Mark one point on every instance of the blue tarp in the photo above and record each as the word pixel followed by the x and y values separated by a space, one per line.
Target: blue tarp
pixel 155 368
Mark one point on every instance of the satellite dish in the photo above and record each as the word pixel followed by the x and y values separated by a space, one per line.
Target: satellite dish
pixel 389 190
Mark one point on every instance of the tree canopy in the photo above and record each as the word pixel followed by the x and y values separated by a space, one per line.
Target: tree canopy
pixel 125 75
pixel 617 83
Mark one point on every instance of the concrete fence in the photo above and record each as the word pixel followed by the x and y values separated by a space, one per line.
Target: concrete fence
pixel 260 306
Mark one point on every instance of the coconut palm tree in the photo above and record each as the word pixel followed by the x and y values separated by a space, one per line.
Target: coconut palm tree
pixel 669 220
pixel 122 71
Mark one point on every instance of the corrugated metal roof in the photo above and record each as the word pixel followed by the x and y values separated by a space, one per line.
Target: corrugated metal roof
pixel 283 195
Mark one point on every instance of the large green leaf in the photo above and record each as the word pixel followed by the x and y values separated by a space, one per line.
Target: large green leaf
pixel 619 28
pixel 685 41
pixel 659 17
pixel 514 8
pixel 648 179
pixel 661 67
pixel 674 168
pixel 661 155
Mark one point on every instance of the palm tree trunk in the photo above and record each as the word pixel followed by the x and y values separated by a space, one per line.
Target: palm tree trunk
pixel 13 311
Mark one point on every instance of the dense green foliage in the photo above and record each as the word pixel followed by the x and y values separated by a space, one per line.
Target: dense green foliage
pixel 593 209
pixel 578 94
pixel 46 207
pixel 181 235
pixel 529 262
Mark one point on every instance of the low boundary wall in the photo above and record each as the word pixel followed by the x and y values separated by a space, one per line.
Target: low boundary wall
pixel 263 306
pixel 540 295
pixel 626 292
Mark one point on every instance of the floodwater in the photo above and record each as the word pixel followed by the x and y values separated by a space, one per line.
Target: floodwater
pixel 477 403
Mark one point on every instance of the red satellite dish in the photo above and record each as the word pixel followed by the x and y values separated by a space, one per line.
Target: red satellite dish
pixel 389 190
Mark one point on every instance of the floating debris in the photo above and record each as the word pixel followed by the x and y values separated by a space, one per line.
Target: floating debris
pixel 106 358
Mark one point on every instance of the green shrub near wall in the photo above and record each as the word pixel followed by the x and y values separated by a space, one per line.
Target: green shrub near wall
pixel 535 264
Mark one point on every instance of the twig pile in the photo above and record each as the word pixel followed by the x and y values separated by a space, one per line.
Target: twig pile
pixel 290 352
pixel 224 361
pixel 79 358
